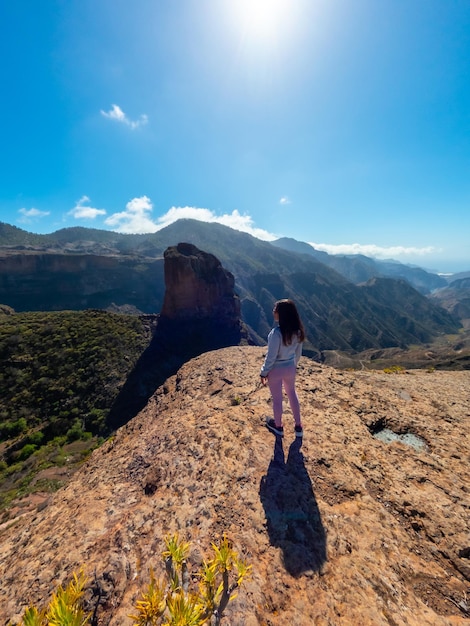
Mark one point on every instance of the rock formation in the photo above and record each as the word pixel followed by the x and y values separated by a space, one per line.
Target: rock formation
pixel 197 286
pixel 342 529
pixel 200 312
pixel 57 281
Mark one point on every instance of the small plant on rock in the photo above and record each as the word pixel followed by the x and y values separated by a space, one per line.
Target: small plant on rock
pixel 64 609
pixel 174 602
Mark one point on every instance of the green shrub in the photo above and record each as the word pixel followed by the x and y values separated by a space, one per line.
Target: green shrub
pixel 76 432
pixel 13 429
pixel 26 451
pixel 36 438
pixel 394 369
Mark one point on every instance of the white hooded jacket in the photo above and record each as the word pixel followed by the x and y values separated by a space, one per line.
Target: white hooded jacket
pixel 280 355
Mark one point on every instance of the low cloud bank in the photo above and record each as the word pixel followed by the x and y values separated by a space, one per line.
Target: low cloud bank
pixel 372 250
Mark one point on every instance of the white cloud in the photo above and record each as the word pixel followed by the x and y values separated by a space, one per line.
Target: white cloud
pixel 82 212
pixel 118 115
pixel 30 215
pixel 235 220
pixel 372 250
pixel 284 200
pixel 136 219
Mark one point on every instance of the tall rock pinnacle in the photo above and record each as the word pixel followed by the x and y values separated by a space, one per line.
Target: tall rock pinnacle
pixel 197 286
pixel 201 312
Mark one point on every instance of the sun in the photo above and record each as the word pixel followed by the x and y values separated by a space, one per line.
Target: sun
pixel 260 19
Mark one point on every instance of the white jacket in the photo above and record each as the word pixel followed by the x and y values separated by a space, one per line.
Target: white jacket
pixel 279 355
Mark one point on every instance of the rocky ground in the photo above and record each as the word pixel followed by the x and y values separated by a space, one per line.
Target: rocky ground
pixel 341 528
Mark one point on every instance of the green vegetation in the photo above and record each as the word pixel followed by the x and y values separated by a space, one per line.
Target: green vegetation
pixel 394 369
pixel 175 601
pixel 12 235
pixel 60 374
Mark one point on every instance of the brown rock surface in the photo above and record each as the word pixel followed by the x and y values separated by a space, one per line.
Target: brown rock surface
pixel 196 285
pixel 343 529
pixel 201 312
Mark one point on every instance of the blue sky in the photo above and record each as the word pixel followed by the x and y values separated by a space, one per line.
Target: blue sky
pixel 344 123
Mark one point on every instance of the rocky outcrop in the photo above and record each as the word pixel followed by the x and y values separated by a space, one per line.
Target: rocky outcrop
pixel 201 312
pixel 197 286
pixel 342 529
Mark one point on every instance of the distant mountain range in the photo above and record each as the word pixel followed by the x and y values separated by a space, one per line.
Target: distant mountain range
pixel 349 303
pixel 359 268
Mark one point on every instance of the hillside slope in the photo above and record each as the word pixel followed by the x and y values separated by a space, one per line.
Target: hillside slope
pixel 456 299
pixel 342 529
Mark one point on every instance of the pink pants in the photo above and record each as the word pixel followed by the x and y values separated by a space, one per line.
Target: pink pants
pixel 276 378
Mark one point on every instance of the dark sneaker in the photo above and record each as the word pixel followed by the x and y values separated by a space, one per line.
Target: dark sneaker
pixel 299 431
pixel 271 425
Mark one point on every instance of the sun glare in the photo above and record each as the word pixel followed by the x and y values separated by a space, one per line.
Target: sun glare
pixel 261 19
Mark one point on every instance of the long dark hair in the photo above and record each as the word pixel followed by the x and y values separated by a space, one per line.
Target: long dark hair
pixel 290 323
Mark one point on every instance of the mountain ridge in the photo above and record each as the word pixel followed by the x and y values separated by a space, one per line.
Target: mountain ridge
pixel 359 268
pixel 338 314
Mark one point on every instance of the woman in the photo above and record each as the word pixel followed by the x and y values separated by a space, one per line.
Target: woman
pixel 279 367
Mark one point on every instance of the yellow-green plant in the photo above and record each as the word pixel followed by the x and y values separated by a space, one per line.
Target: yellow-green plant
pixel 215 584
pixel 64 609
pixel 169 602
pixel 173 603
pixel 394 369
pixel 152 605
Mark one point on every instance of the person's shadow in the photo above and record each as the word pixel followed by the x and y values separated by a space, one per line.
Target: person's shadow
pixel 292 516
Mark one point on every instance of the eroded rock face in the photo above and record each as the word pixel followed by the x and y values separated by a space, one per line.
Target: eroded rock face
pixel 197 286
pixel 53 282
pixel 201 312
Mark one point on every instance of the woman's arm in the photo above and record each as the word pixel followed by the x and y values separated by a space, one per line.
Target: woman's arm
pixel 298 352
pixel 274 343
